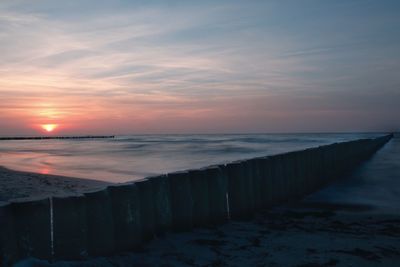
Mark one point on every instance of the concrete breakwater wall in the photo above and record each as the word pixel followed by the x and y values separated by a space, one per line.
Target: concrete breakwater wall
pixel 122 217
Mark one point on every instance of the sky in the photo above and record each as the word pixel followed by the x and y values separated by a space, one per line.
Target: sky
pixel 133 67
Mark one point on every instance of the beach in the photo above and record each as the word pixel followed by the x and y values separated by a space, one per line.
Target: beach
pixel 17 185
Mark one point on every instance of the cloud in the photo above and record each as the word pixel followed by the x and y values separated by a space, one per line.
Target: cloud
pixel 208 62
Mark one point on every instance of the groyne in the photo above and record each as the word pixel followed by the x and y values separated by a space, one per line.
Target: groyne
pixel 56 137
pixel 123 217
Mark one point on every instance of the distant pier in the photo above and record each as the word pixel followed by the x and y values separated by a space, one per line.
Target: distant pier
pixel 58 137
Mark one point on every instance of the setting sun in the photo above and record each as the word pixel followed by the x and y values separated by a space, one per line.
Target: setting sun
pixel 49 127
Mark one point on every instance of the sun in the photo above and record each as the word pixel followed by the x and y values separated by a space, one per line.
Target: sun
pixel 49 127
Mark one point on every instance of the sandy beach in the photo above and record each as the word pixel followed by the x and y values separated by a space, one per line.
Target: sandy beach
pixel 17 185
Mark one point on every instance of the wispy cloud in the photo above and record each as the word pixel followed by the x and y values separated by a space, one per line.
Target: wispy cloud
pixel 207 62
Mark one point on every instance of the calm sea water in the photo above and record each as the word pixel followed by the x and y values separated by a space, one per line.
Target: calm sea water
pixel 127 158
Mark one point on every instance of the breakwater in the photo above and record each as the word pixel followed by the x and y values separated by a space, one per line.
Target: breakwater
pixel 57 137
pixel 122 217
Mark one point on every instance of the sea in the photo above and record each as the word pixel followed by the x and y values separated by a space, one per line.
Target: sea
pixel 128 158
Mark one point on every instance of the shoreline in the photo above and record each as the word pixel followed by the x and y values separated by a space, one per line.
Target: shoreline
pixel 20 185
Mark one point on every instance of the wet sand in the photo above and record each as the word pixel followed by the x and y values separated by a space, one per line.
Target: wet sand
pixel 17 185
